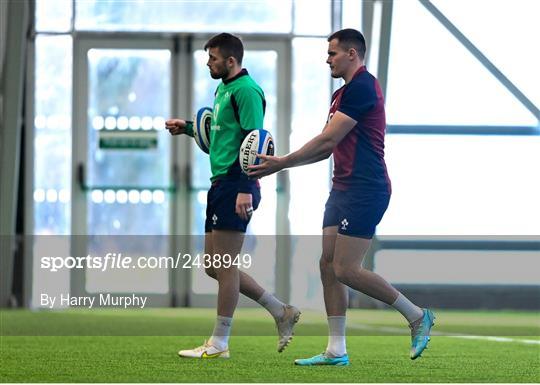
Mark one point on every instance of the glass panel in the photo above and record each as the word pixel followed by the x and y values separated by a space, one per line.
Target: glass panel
pixel 129 98
pixel 52 142
pixel 374 41
pixel 204 88
pixel 519 62
pixel 447 267
pixel 312 17
pixel 189 16
pixel 433 79
pixel 262 66
pixel 53 15
pixel 462 185
pixel 351 14
pixel 52 148
pixel 310 111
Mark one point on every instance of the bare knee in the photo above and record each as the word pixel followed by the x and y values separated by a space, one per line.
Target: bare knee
pixel 225 273
pixel 342 271
pixel 350 273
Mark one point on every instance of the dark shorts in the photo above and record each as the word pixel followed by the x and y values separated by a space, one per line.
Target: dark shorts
pixel 355 213
pixel 221 206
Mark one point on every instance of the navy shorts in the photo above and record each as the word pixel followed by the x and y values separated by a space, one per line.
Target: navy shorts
pixel 221 206
pixel 356 213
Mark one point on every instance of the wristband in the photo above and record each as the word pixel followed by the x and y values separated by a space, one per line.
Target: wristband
pixel 189 128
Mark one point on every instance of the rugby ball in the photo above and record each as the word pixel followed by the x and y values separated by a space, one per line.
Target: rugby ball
pixel 256 142
pixel 201 128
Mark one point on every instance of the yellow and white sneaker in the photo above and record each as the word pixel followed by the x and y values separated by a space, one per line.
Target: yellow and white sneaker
pixel 204 351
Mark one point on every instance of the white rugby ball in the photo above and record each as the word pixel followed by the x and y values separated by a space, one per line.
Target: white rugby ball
pixel 256 142
pixel 201 128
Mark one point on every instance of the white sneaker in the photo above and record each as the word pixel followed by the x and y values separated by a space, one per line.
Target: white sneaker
pixel 285 325
pixel 204 351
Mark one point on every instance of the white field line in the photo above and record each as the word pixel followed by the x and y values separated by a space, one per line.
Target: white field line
pixel 453 335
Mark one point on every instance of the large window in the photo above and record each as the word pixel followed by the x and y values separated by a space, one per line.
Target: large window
pixel 463 144
pixel 462 184
pixel 53 66
pixel 444 184
pixel 434 80
pixel 126 97
pixel 189 16
pixel 128 92
pixel 504 37
pixel 309 185
pixel 310 111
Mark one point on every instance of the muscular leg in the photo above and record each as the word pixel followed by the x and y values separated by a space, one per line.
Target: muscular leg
pixel 227 242
pixel 335 293
pixel 285 316
pixel 341 267
pixel 217 244
pixel 248 286
pixel 348 255
pixel 336 297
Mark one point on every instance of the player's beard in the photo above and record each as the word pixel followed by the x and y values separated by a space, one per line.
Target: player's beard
pixel 221 73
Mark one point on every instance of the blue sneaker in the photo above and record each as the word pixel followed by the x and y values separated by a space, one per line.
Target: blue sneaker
pixel 322 359
pixel 420 330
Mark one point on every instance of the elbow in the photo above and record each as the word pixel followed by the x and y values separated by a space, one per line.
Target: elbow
pixel 328 146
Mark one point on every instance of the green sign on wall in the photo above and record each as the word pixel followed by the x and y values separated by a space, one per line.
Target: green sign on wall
pixel 127 140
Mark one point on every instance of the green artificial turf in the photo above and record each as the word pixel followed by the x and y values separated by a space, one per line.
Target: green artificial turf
pixel 140 346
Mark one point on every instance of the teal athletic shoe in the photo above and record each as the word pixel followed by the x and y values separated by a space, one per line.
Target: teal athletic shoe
pixel 420 331
pixel 322 359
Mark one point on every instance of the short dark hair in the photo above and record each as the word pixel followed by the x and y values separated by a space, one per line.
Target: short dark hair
pixel 229 45
pixel 350 38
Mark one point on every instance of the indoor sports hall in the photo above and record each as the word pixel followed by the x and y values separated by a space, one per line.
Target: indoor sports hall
pixel 104 271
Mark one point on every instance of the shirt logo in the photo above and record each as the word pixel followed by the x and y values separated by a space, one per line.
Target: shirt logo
pixel 344 224
pixel 215 112
pixel 214 219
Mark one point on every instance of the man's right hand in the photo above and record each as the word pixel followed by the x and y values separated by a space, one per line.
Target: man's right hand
pixel 176 126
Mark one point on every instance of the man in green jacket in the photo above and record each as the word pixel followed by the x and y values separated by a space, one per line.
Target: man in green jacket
pixel 239 108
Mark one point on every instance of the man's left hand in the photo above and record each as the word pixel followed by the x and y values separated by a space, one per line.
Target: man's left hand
pixel 244 205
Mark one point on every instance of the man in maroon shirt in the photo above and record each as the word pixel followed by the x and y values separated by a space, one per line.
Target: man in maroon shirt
pixel 354 134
